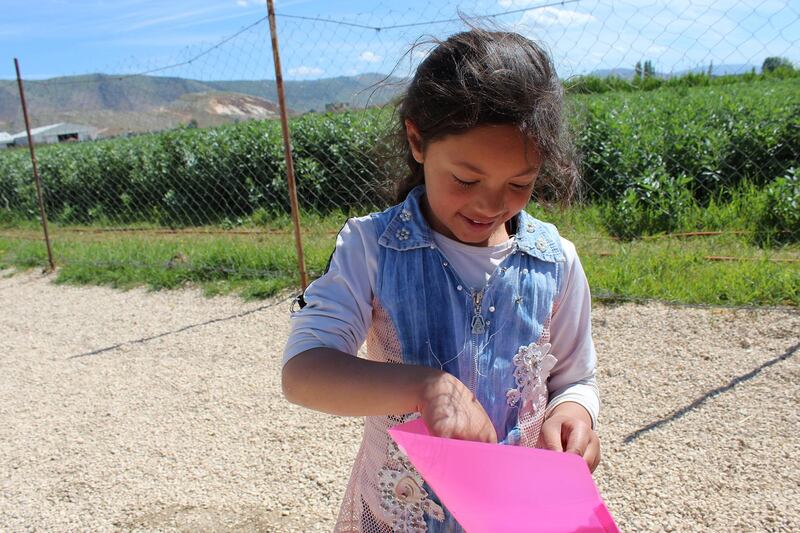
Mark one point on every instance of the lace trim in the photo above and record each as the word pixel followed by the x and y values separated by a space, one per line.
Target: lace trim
pixel 533 364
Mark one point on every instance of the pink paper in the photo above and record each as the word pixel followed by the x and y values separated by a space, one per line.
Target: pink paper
pixel 491 488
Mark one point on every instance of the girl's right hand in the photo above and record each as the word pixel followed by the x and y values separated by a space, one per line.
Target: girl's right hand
pixel 449 409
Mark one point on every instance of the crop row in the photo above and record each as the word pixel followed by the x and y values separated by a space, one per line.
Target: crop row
pixel 652 150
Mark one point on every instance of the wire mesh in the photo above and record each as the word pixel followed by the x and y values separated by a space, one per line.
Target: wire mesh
pixel 686 118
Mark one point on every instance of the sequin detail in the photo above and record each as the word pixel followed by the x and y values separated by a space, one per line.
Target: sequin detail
pixel 405 215
pixel 404 500
pixel 402 234
pixel 532 366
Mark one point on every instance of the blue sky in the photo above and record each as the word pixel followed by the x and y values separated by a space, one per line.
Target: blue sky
pixel 69 37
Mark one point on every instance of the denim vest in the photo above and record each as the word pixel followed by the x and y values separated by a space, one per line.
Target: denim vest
pixel 495 340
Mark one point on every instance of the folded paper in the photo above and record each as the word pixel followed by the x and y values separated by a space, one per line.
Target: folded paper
pixel 491 488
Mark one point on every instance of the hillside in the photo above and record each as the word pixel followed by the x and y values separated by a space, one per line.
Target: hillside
pixel 717 70
pixel 151 103
pixel 312 95
pixel 146 103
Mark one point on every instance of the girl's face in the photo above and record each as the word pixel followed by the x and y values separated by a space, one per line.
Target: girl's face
pixel 476 181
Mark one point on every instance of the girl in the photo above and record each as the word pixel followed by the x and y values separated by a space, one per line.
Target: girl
pixel 475 314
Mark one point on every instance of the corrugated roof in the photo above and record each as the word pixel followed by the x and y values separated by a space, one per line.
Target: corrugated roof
pixel 5 137
pixel 45 129
pixel 36 131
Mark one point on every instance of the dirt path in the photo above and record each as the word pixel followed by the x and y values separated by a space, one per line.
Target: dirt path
pixel 162 411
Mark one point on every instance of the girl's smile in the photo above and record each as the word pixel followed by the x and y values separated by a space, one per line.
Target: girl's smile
pixel 478 227
pixel 476 181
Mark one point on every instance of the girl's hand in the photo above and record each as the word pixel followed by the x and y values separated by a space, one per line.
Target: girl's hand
pixel 449 409
pixel 569 429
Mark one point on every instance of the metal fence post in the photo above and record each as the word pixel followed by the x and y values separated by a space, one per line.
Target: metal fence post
pixel 287 146
pixel 42 212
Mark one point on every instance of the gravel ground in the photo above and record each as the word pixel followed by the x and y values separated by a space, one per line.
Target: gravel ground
pixel 162 411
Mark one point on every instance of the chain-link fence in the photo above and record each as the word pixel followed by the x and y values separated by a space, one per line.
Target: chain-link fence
pixel 686 117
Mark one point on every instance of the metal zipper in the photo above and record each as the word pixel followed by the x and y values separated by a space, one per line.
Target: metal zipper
pixel 478 328
pixel 478 323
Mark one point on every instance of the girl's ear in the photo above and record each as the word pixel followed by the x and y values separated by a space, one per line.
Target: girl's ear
pixel 414 141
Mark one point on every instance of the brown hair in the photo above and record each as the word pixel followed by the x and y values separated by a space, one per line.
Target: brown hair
pixel 481 77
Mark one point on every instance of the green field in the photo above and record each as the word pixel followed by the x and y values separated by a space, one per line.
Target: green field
pixel 258 262
pixel 644 153
pixel 208 207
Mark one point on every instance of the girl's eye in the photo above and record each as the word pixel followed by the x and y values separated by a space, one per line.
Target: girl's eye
pixel 462 183
pixel 521 186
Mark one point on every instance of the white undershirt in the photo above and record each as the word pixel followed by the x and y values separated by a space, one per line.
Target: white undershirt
pixel 338 309
pixel 473 264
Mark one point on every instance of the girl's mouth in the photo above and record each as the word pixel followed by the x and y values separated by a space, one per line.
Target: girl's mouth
pixel 477 224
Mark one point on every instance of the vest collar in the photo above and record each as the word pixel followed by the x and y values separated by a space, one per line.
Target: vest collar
pixel 408 230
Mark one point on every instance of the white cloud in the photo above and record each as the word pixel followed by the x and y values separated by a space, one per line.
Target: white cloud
pixel 304 71
pixel 370 57
pixel 419 55
pixel 160 20
pixel 518 3
pixel 262 4
pixel 166 40
pixel 553 16
pixel 514 3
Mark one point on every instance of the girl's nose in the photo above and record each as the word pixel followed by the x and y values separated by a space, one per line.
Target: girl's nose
pixel 492 205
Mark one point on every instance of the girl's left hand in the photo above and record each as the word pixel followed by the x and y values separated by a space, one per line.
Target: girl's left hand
pixel 567 431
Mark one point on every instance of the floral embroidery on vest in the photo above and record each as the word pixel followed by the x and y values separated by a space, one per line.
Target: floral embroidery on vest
pixel 403 498
pixel 532 365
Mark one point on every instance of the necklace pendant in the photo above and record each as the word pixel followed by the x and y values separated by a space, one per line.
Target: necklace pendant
pixel 478 325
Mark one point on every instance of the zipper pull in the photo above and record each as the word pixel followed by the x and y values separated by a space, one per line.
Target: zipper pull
pixel 478 324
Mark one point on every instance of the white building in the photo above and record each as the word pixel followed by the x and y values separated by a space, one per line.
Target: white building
pixel 6 139
pixel 57 133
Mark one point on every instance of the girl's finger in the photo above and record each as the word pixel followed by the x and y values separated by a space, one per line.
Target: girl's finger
pixel 592 453
pixel 577 438
pixel 550 437
pixel 488 433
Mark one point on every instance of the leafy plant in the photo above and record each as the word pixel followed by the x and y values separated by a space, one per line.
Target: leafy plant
pixel 638 148
pixel 652 204
pixel 779 219
pixel 719 136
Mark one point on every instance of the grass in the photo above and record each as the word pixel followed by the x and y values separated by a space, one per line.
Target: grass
pixel 259 262
pixel 682 269
pixel 254 264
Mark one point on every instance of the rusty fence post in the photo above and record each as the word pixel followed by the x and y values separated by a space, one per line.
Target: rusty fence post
pixel 287 146
pixel 36 178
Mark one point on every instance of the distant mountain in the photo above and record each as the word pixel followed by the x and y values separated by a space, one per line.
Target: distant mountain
pixel 313 95
pixel 624 73
pixel 148 103
pixel 722 70
pixel 119 104
pixel 717 70
pixel 204 109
